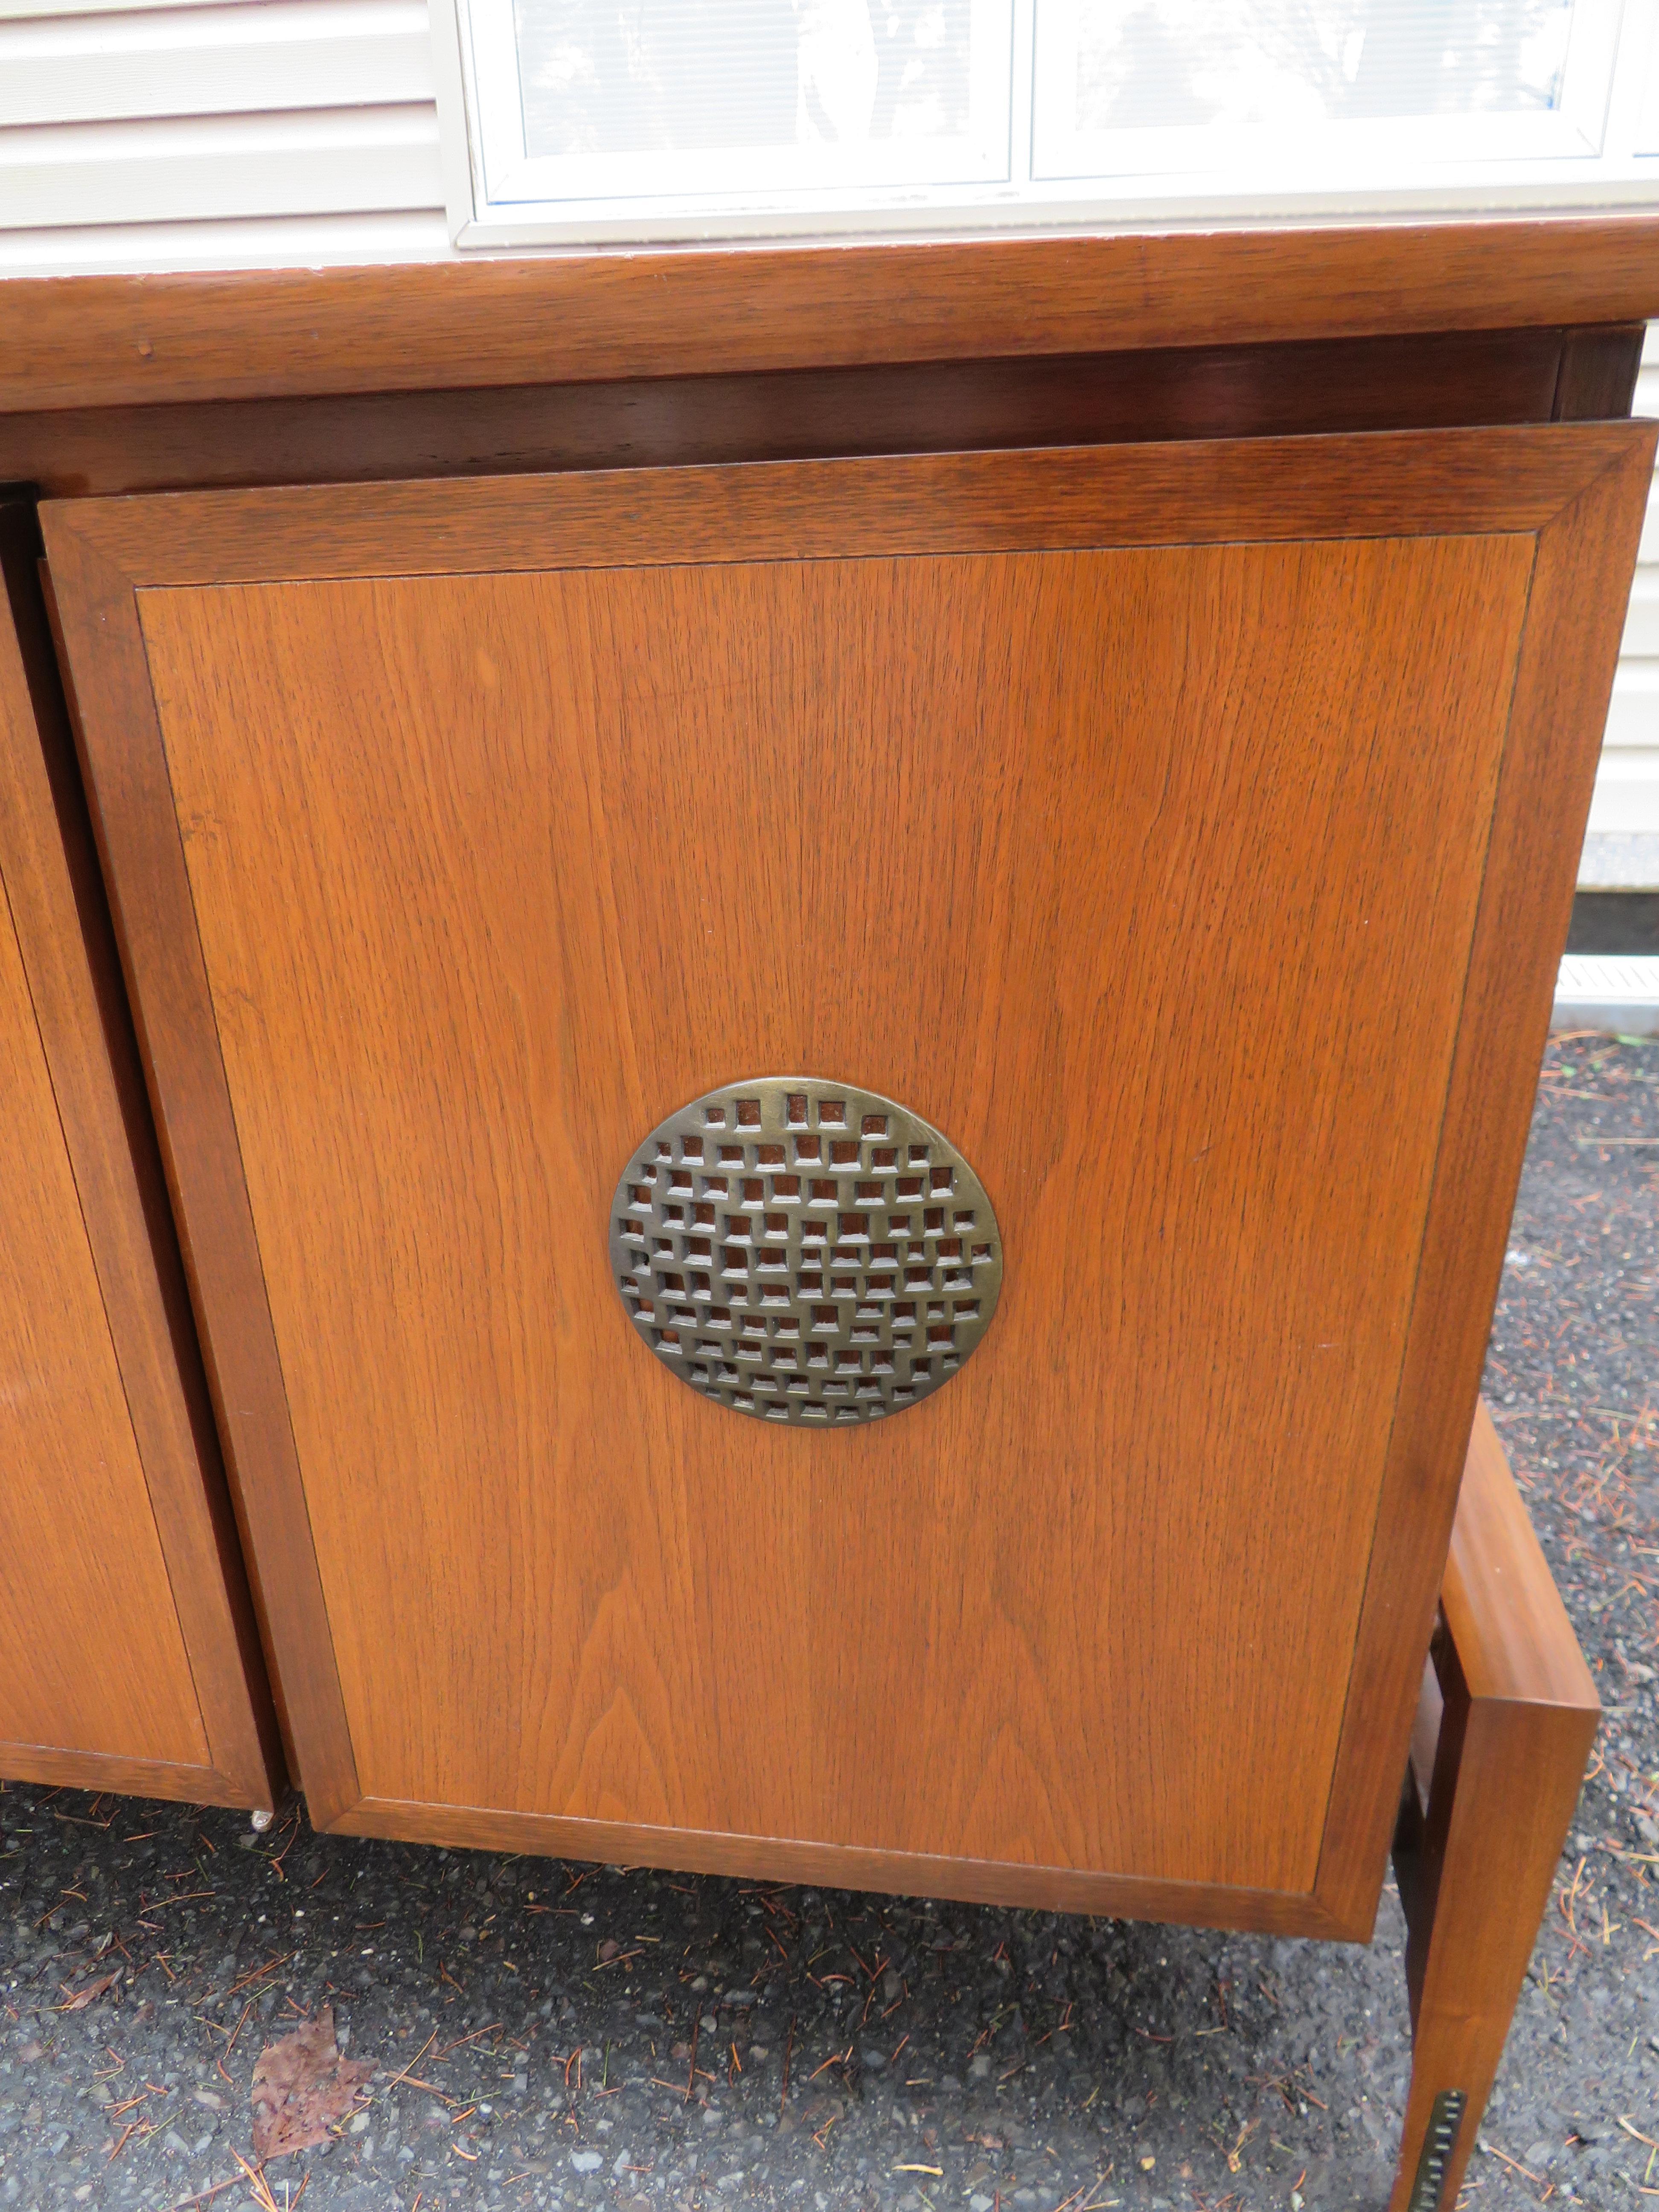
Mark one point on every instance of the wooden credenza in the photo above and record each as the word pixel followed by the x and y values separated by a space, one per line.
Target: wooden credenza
pixel 1157 766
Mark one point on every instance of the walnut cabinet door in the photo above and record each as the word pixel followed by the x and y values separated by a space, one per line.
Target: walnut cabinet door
pixel 1185 833
pixel 129 1658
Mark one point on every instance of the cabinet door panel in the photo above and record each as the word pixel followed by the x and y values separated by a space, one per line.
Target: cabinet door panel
pixel 471 929
pixel 91 1657
pixel 1134 827
pixel 127 1653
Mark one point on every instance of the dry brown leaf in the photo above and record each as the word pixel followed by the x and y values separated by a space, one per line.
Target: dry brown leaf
pixel 83 1998
pixel 301 2088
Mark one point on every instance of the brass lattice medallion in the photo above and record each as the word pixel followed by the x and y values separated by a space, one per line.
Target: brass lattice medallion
pixel 806 1251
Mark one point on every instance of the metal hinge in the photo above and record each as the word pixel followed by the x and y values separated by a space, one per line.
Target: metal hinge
pixel 1445 2118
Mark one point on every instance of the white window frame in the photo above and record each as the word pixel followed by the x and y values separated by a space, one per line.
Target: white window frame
pixel 1017 168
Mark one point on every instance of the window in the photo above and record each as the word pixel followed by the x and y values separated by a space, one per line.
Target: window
pixel 570 120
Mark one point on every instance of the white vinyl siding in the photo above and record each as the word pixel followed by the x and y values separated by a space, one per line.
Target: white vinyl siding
pixel 266 133
pixel 300 133
pixel 1627 789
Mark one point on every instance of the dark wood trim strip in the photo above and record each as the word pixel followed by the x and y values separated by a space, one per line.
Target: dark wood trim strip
pixel 1564 679
pixel 569 317
pixel 1512 478
pixel 1599 369
pixel 842 1866
pixel 1437 381
pixel 137 838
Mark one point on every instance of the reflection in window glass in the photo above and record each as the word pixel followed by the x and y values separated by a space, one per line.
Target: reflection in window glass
pixel 648 77
pixel 1170 63
pixel 683 119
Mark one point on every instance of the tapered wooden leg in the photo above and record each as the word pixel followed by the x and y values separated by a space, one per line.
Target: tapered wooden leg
pixel 1477 1851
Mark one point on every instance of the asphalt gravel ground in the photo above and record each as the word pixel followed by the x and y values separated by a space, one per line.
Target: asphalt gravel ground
pixel 549 2034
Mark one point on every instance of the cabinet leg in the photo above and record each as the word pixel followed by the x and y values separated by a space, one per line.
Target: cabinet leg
pixel 1504 1725
pixel 1476 1866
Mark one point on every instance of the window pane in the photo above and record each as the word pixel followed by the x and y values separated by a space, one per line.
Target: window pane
pixel 1162 64
pixel 666 76
pixel 707 118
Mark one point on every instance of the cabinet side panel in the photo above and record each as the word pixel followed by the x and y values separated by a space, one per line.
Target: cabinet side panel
pixel 1581 578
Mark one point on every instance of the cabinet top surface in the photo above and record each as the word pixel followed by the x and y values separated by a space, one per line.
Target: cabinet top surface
pixel 109 341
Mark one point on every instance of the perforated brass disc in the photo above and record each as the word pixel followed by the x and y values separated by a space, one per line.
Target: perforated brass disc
pixel 806 1251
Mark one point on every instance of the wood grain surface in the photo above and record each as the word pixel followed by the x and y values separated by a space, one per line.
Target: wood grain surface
pixel 111 341
pixel 1433 381
pixel 1151 871
pixel 129 1649
pixel 1502 1608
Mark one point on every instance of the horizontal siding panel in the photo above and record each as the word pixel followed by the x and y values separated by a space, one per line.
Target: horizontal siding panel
pixel 321 73
pixel 220 61
pixel 313 241
pixel 30 11
pixel 55 28
pixel 1633 717
pixel 1626 801
pixel 1642 624
pixel 358 160
pixel 261 133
